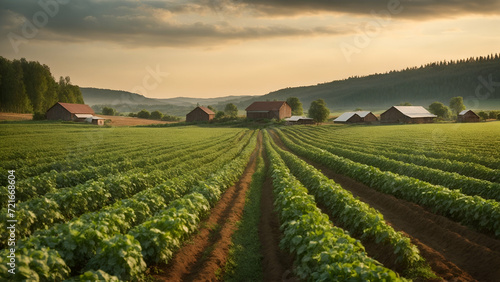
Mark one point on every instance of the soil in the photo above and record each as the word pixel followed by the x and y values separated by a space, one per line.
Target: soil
pixel 277 264
pixel 204 256
pixel 114 120
pixel 15 116
pixel 454 252
pixel 131 121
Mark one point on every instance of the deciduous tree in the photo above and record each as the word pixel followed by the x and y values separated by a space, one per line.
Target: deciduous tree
pixel 318 111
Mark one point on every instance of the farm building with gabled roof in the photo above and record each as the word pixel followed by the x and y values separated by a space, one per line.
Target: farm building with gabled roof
pixel 407 114
pixel 69 112
pixel 270 109
pixel 356 117
pixel 200 114
pixel 299 120
pixel 468 116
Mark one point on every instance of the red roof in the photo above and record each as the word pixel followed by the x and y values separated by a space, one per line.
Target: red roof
pixel 265 106
pixel 206 110
pixel 76 108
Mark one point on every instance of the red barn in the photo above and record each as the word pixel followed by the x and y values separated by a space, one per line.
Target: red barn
pixel 69 112
pixel 273 109
pixel 200 114
pixel 407 114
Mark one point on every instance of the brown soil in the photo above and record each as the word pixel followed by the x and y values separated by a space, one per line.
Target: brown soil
pixel 15 116
pixel 277 264
pixel 454 252
pixel 131 121
pixel 204 256
pixel 114 120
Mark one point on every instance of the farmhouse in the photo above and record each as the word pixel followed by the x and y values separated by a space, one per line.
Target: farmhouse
pixel 273 109
pixel 356 117
pixel 407 114
pixel 467 116
pixel 200 114
pixel 73 112
pixel 299 120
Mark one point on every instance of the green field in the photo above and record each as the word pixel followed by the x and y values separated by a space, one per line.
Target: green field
pixel 104 203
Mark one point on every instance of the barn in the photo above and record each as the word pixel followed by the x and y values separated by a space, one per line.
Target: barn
pixel 299 120
pixel 69 112
pixel 356 117
pixel 73 112
pixel 272 109
pixel 407 114
pixel 200 114
pixel 468 116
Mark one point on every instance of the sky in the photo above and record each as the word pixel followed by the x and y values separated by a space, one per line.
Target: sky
pixel 211 48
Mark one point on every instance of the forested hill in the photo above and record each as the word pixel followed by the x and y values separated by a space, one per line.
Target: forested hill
pixel 27 87
pixel 423 85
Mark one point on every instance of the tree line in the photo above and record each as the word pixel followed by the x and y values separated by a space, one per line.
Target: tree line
pixel 437 81
pixel 29 87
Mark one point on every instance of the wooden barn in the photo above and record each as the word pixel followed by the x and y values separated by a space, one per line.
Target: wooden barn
pixel 200 114
pixel 407 114
pixel 468 116
pixel 356 117
pixel 299 120
pixel 272 109
pixel 69 112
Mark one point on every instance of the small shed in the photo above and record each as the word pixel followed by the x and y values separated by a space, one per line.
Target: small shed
pixel 468 116
pixel 69 112
pixel 407 114
pixel 299 120
pixel 95 120
pixel 356 117
pixel 200 114
pixel 269 109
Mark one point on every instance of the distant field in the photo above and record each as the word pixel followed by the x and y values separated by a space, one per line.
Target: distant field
pixel 140 203
pixel 15 116
pixel 114 120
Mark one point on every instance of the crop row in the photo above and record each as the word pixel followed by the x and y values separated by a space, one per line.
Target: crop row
pixel 97 243
pixel 350 213
pixel 464 168
pixel 466 185
pixel 76 150
pixel 142 162
pixel 484 215
pixel 41 213
pixel 61 159
pixel 322 251
pixel 425 147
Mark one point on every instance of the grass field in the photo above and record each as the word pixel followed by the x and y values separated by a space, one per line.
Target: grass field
pixel 313 203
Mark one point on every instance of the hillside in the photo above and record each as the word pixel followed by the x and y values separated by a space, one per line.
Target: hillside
pixel 420 86
pixel 124 101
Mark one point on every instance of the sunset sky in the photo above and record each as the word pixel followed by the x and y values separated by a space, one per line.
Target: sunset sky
pixel 208 48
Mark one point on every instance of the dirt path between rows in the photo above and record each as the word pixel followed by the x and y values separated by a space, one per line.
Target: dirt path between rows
pixel 277 264
pixel 454 252
pixel 204 256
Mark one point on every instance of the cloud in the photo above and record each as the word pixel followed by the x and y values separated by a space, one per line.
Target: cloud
pixel 205 23
pixel 412 9
pixel 146 23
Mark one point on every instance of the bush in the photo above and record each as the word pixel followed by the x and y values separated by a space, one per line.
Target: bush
pixel 143 114
pixel 483 115
pixel 39 116
pixel 494 114
pixel 108 111
pixel 170 118
pixel 156 115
